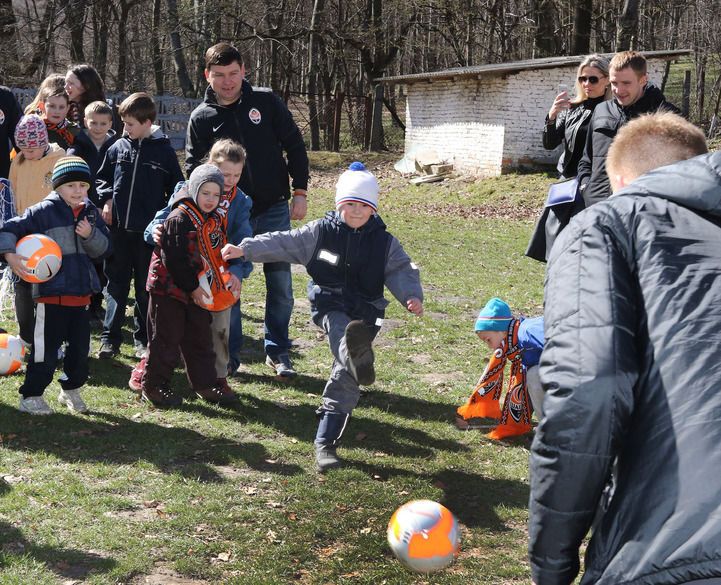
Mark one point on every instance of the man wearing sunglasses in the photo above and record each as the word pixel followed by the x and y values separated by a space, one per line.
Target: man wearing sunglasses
pixel 632 97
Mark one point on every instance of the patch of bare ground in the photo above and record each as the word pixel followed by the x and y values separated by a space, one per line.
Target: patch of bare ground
pixel 442 379
pixel 511 211
pixel 163 575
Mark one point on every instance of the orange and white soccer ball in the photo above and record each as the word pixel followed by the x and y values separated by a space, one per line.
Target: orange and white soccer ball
pixel 12 352
pixel 44 257
pixel 424 536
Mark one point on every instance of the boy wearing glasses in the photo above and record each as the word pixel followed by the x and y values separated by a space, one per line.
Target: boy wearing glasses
pixel 633 96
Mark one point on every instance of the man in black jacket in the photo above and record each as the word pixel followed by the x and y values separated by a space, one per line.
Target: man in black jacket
pixel 632 97
pixel 631 372
pixel 10 114
pixel 261 122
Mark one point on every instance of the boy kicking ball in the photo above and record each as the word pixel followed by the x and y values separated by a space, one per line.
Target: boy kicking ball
pixel 350 257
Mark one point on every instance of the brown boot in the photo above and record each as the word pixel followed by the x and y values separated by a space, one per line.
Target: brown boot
pixel 220 394
pixel 161 397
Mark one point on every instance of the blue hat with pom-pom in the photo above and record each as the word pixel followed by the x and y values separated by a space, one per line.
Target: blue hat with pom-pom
pixel 495 316
pixel 359 185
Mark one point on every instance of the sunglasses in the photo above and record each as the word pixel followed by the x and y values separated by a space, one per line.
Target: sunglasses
pixel 592 79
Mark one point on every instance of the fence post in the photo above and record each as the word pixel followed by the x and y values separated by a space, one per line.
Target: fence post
pixel 367 122
pixel 337 118
pixel 686 99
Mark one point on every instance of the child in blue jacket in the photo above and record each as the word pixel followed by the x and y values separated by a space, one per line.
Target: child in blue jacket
pixel 67 217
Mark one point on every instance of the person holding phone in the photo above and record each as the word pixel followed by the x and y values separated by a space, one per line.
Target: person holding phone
pixel 568 119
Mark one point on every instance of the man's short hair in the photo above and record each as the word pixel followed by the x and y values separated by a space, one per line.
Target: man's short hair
pixel 139 106
pixel 632 59
pixel 222 54
pixel 652 141
pixel 98 107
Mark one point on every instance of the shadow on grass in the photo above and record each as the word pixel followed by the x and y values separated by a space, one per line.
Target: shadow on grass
pixel 119 440
pixel 67 563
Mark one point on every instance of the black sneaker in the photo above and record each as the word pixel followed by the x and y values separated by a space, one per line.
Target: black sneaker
pixel 326 458
pixel 107 351
pixel 161 397
pixel 358 340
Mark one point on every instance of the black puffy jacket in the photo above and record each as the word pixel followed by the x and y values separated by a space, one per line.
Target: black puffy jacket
pixel 607 118
pixel 632 373
pixel 570 128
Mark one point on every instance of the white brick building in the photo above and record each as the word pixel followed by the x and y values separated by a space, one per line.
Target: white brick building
pixel 489 118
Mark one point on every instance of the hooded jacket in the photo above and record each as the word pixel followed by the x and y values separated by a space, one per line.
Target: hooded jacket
pixel 608 117
pixel 570 128
pixel 85 148
pixel 261 122
pixel 10 114
pixel 631 370
pixel 139 176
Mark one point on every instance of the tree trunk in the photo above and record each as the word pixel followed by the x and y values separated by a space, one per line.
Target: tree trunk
pixel 75 17
pixel 155 42
pixel 9 64
pixel 176 46
pixel 582 27
pixel 42 49
pixel 628 26
pixel 101 26
pixel 545 15
pixel 312 74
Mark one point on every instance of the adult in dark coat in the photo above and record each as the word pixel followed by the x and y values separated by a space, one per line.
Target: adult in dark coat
pixel 10 114
pixel 632 97
pixel 631 371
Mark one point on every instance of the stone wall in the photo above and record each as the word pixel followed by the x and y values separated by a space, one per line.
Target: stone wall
pixel 489 124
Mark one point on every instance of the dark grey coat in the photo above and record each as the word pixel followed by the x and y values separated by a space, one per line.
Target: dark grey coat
pixel 632 370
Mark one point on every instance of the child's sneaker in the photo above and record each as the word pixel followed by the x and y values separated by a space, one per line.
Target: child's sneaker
pixel 34 405
pixel 220 394
pixel 71 399
pixel 326 458
pixel 358 340
pixel 136 376
pixel 161 397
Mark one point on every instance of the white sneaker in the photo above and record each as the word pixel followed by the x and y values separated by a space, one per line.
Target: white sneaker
pixel 71 399
pixel 34 405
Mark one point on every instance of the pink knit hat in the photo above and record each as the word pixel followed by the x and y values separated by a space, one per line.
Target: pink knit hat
pixel 31 132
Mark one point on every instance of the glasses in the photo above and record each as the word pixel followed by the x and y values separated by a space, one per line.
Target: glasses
pixel 592 79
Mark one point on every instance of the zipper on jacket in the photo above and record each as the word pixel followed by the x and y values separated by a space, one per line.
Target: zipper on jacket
pixel 132 183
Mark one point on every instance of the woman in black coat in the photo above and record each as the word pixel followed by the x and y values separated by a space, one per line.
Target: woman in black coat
pixel 567 120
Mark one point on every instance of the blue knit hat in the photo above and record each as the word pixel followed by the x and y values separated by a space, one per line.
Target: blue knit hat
pixel 495 316
pixel 69 169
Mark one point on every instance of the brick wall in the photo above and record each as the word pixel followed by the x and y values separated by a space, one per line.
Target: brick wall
pixel 487 125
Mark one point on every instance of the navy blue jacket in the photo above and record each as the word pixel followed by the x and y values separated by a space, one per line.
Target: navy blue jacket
pixel 54 218
pixel 85 148
pixel 10 114
pixel 261 122
pixel 139 176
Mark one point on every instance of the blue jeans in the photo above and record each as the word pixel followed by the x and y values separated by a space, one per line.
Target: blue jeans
pixel 278 286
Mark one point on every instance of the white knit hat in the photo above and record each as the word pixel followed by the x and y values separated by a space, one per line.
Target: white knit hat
pixel 357 184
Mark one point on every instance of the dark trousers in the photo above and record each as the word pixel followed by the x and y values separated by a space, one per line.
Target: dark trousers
pixel 178 327
pixel 53 325
pixel 25 309
pixel 130 261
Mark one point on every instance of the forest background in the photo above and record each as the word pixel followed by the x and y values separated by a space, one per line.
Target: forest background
pixel 325 55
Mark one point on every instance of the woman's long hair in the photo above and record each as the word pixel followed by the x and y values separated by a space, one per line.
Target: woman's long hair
pixel 597 61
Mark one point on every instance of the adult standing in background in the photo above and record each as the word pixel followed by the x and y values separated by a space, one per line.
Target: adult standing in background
pixel 10 114
pixel 84 86
pixel 568 119
pixel 261 122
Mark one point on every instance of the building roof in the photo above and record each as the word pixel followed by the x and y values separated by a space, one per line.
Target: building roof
pixel 515 66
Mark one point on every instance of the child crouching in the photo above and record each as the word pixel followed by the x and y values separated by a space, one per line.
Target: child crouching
pixel 62 302
pixel 178 318
pixel 349 256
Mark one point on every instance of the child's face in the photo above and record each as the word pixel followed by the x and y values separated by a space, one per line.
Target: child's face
pixel 231 174
pixel 73 87
pixel 56 108
pixel 98 125
pixel 33 153
pixel 355 214
pixel 208 197
pixel 136 130
pixel 74 193
pixel 493 339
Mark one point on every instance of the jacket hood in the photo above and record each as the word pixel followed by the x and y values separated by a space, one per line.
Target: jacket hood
pixel 693 183
pixel 649 101
pixel 156 133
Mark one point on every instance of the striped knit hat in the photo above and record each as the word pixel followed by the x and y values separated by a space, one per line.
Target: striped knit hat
pixel 69 169
pixel 357 184
pixel 31 132
pixel 495 316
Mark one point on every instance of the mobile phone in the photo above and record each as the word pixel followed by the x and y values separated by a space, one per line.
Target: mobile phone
pixel 564 87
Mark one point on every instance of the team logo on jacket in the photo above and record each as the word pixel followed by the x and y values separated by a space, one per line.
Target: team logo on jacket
pixel 254 115
pixel 2 117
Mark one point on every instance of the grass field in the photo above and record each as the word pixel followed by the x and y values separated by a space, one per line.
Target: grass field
pixel 129 494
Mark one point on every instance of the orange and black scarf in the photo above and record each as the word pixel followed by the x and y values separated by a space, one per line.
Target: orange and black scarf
pixel 62 130
pixel 515 418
